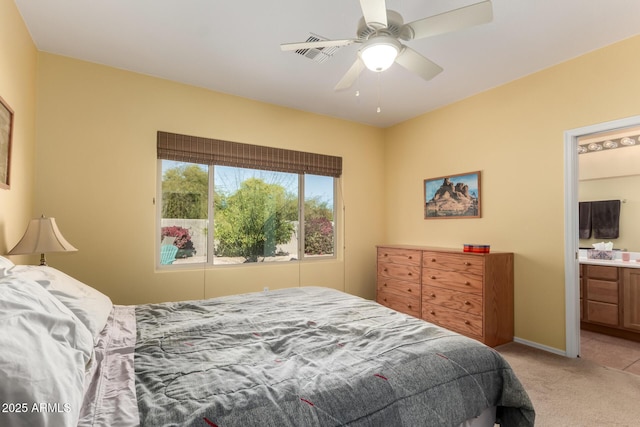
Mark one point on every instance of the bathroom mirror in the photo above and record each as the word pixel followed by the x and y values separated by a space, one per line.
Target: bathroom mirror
pixel 609 169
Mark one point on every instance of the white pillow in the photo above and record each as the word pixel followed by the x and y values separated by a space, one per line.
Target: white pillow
pixel 43 353
pixel 90 305
pixel 5 263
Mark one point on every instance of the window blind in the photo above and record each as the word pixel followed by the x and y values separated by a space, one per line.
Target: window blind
pixel 193 149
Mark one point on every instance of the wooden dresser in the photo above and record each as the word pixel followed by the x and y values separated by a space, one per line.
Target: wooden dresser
pixel 469 293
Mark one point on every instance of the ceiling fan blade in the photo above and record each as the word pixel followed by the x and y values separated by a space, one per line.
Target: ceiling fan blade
pixel 418 64
pixel 350 76
pixel 319 44
pixel 468 16
pixel 375 13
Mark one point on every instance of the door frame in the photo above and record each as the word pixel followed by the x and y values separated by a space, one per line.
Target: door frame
pixel 571 244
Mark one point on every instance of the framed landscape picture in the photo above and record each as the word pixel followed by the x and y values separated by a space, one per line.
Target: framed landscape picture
pixel 452 196
pixel 6 129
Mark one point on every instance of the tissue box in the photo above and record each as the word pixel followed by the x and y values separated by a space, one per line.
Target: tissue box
pixel 596 254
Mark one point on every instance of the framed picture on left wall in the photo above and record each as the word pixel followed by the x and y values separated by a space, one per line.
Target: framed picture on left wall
pixel 6 131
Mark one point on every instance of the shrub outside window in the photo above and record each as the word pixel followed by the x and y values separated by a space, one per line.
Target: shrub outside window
pixel 232 215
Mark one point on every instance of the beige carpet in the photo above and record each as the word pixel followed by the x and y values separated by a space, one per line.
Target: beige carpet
pixel 574 392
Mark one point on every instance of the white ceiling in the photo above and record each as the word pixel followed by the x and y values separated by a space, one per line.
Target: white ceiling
pixel 233 46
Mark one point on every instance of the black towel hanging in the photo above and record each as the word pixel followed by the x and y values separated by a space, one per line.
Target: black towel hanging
pixel 584 228
pixel 605 219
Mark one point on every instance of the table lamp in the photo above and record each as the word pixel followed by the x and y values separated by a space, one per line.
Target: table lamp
pixel 42 236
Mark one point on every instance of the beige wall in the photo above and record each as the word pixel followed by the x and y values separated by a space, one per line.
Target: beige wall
pixel 96 174
pixel 514 135
pixel 18 59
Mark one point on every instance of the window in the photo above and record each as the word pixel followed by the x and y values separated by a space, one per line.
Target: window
pixel 319 216
pixel 227 214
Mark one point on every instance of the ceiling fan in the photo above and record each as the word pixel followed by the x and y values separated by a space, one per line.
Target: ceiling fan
pixel 380 31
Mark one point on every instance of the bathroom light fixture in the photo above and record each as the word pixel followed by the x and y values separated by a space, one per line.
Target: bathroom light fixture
pixel 42 236
pixel 378 53
pixel 608 144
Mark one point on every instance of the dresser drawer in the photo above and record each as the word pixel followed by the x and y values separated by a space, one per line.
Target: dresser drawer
pixel 402 303
pixel 456 280
pixel 462 301
pixel 601 312
pixel 401 287
pixel 399 256
pixel 602 291
pixel 453 262
pixel 455 320
pixel 410 273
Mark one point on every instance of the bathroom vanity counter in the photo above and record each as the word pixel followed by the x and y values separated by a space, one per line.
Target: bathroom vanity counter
pixel 616 262
pixel 612 263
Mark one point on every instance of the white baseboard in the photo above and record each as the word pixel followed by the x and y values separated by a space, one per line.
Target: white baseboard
pixel 540 346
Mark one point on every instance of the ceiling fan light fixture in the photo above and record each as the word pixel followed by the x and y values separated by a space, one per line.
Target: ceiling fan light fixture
pixel 379 53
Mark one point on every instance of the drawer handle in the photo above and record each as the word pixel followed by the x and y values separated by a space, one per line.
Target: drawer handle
pixel 409 274
pixel 384 284
pixel 410 257
pixel 467 303
pixel 384 299
pixel 409 307
pixel 467 283
pixel 385 269
pixel 409 290
pixel 433 260
pixel 433 295
pixel 467 263
pixel 433 277
pixel 466 322
pixel 432 312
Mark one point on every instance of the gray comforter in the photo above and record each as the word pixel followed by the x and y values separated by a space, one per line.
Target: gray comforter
pixel 312 357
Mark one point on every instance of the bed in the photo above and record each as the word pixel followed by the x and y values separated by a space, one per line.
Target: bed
pixel 305 356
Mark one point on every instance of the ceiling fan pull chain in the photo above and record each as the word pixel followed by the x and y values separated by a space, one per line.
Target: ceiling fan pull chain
pixel 378 109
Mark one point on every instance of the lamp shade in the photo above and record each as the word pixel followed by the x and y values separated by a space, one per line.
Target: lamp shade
pixel 379 53
pixel 42 236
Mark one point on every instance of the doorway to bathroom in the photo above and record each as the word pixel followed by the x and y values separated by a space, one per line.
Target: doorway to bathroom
pixel 573 141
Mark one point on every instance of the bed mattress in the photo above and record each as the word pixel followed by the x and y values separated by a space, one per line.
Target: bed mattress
pixel 294 357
